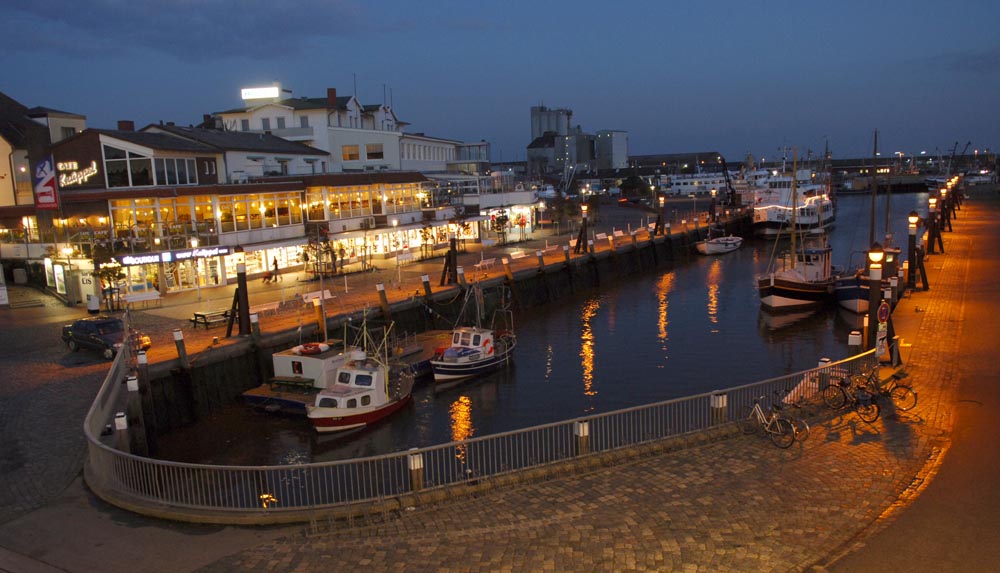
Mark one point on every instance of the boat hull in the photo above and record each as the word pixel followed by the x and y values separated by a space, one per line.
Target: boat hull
pixel 719 245
pixel 326 420
pixel 852 294
pixel 451 372
pixel 782 294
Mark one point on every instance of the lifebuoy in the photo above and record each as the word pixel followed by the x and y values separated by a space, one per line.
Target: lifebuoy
pixel 311 348
pixel 488 347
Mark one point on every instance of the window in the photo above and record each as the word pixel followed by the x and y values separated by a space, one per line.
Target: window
pixel 344 378
pixel 304 121
pixel 265 123
pixel 350 153
pixel 281 123
pixel 244 125
pixel 296 367
pixel 126 168
pixel 363 380
pixel 366 400
pixel 352 403
pixel 68 132
pixel 327 402
pixel 374 151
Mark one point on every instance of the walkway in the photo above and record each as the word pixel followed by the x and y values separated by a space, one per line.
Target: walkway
pixel 735 505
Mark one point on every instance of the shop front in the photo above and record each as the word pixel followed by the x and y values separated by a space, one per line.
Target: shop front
pixel 176 271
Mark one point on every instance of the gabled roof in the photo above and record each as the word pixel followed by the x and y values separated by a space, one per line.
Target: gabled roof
pixel 15 125
pixel 237 140
pixel 41 111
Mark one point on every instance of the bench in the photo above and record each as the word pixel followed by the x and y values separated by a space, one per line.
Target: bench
pixel 144 297
pixel 601 237
pixel 209 318
pixel 485 264
pixel 260 309
pixel 516 255
pixel 618 233
pixel 308 297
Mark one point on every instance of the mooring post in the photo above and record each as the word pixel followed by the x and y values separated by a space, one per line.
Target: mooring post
pixel 427 284
pixel 854 342
pixel 506 269
pixel 133 407
pixel 581 431
pixel 254 327
pixel 383 300
pixel 566 252
pixel 541 259
pixel 181 350
pixel 121 432
pixel 460 274
pixel 718 404
pixel 415 463
pixel 146 395
pixel 590 246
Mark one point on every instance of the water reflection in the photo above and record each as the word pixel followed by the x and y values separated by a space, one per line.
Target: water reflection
pixel 714 278
pixel 663 288
pixel 460 413
pixel 587 315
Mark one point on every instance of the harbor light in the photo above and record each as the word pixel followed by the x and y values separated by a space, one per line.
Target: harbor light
pixel 876 253
pixel 913 218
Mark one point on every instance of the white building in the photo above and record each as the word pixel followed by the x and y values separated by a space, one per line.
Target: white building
pixel 611 149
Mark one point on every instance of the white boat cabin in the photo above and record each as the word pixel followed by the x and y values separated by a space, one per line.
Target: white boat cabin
pixel 360 383
pixel 316 363
pixel 469 343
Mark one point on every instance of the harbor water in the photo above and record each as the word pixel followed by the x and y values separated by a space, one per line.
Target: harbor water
pixel 672 332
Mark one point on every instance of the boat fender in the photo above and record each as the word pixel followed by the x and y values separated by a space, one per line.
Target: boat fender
pixel 311 348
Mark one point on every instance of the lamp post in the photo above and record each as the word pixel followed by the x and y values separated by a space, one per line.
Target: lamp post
pixel 243 301
pixel 911 255
pixel 581 239
pixel 659 217
pixel 711 206
pixel 875 255
pixel 931 223
pixel 694 207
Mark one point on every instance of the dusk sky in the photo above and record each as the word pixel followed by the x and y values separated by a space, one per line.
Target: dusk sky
pixel 737 77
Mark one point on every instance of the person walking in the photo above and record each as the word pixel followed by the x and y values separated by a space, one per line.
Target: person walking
pixel 274 264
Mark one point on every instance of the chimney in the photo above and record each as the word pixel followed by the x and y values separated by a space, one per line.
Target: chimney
pixel 331 96
pixel 207 122
pixel 126 125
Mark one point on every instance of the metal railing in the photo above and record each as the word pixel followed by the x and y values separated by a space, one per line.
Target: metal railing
pixel 273 493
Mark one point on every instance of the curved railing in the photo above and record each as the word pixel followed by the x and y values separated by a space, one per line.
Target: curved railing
pixel 263 494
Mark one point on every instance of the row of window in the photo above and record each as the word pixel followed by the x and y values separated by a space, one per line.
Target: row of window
pixel 373 151
pixel 427 152
pixel 130 169
pixel 265 123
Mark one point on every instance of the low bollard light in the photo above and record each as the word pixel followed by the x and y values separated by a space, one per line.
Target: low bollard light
pixel 415 463
pixel 581 431
pixel 719 403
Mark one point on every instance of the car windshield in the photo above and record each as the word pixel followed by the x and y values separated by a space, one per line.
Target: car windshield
pixel 109 327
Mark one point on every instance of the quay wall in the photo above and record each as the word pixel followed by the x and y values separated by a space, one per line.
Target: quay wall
pixel 217 378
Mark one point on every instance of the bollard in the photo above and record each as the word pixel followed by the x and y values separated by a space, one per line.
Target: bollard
pixel 121 432
pixel 824 375
pixel 896 359
pixel 383 300
pixel 506 268
pixel 566 252
pixel 415 463
pixel 541 259
pixel 427 284
pixel 590 246
pixel 718 404
pixel 854 341
pixel 320 318
pixel 460 274
pixel 254 327
pixel 894 288
pixel 581 431
pixel 181 351
pixel 611 243
pixel 635 241
pixel 133 406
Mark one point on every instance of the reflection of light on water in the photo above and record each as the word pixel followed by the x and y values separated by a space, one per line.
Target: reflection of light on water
pixel 714 277
pixel 663 288
pixel 267 500
pixel 587 346
pixel 460 413
pixel 548 362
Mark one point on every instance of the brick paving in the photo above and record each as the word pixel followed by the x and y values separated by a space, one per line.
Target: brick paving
pixel 732 505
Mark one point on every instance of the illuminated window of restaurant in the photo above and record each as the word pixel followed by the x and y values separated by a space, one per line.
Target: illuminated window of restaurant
pixel 350 152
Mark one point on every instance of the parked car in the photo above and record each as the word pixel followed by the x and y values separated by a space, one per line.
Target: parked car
pixel 106 334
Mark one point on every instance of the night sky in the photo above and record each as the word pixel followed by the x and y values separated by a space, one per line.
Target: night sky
pixel 737 77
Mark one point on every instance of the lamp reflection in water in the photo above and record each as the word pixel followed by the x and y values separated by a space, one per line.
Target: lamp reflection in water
pixel 460 413
pixel 590 309
pixel 663 288
pixel 714 277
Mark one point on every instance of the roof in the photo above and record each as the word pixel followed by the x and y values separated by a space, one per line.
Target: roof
pixel 297 103
pixel 41 111
pixel 547 139
pixel 157 140
pixel 238 140
pixel 15 123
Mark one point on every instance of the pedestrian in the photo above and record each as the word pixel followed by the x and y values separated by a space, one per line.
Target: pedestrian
pixel 343 256
pixel 275 265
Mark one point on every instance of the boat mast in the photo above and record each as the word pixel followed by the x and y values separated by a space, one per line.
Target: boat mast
pixel 795 201
pixel 874 186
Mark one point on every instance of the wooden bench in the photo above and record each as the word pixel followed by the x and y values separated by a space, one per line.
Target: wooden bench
pixel 144 297
pixel 209 318
pixel 601 237
pixel 308 297
pixel 516 255
pixel 485 264
pixel 618 233
pixel 260 309
pixel 298 383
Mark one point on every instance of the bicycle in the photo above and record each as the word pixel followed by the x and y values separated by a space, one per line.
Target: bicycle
pixel 799 424
pixel 902 395
pixel 842 392
pixel 779 429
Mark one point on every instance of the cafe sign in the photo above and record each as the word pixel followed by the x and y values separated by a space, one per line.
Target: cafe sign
pixel 170 256
pixel 70 173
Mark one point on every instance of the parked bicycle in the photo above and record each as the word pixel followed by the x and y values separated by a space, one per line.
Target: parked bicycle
pixel 902 395
pixel 842 392
pixel 779 429
pixel 799 424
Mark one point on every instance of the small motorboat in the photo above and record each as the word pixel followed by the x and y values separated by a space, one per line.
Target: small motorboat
pixel 719 245
pixel 475 349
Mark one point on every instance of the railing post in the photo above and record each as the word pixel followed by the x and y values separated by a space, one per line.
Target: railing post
pixel 506 268
pixel 718 403
pixel 415 463
pixel 581 431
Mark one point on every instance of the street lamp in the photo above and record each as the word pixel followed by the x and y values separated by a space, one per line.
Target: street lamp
pixel 694 207
pixel 659 216
pixel 931 223
pixel 711 206
pixel 875 256
pixel 911 256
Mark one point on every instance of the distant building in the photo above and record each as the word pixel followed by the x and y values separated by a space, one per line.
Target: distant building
pixel 611 149
pixel 559 148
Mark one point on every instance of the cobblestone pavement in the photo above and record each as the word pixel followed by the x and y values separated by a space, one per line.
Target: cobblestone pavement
pixel 734 505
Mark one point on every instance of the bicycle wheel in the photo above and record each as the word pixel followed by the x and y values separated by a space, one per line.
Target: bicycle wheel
pixel 781 432
pixel 747 420
pixel 868 412
pixel 834 397
pixel 903 397
pixel 801 428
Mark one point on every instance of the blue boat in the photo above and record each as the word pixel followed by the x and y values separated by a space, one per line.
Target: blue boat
pixel 475 349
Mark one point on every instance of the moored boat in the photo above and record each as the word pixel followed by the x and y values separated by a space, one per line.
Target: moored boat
pixel 719 245
pixel 475 349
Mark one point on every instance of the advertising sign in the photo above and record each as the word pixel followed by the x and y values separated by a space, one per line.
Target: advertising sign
pixel 44 180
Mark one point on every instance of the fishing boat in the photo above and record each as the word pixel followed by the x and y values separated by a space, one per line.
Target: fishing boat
pixel 367 388
pixel 776 206
pixel 803 276
pixel 476 349
pixel 719 245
